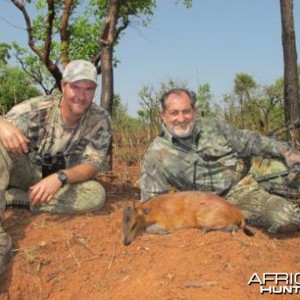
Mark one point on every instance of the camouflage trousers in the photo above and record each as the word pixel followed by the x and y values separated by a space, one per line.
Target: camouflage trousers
pixel 273 212
pixel 18 173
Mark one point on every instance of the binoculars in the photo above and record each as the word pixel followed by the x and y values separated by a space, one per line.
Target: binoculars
pixel 52 164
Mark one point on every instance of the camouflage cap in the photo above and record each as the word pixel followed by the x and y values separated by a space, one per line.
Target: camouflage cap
pixel 80 70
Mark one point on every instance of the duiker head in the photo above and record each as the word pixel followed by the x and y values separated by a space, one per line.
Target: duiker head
pixel 133 223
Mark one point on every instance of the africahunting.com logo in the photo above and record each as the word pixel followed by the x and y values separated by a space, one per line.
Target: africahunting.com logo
pixel 277 283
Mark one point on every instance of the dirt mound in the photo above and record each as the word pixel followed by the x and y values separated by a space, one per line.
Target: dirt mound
pixel 82 257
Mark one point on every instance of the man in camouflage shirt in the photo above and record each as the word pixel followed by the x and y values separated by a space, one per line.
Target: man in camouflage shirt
pixel 210 155
pixel 69 123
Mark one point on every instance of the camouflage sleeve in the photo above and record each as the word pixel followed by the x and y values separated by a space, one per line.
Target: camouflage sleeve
pixel 99 138
pixel 20 114
pixel 152 179
pixel 248 143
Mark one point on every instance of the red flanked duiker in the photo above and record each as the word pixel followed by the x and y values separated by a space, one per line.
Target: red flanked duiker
pixel 166 213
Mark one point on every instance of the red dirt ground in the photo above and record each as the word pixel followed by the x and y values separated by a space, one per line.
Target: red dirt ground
pixel 82 257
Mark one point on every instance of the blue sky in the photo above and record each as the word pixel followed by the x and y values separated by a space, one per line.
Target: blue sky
pixel 211 42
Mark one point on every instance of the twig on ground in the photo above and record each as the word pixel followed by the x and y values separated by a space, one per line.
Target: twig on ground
pixel 83 244
pixel 112 259
pixel 76 260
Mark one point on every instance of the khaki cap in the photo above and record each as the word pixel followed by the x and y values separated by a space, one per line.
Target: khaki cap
pixel 80 70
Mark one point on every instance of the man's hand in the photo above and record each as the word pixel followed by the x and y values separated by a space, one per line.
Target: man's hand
pixel 44 190
pixel 13 139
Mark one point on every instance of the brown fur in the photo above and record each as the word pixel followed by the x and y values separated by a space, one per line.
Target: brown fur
pixel 168 212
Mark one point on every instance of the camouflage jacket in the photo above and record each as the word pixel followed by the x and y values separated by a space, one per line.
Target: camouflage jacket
pixel 214 158
pixel 39 119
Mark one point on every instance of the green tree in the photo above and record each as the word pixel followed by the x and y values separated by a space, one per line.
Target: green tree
pixel 4 53
pixel 244 86
pixel 71 29
pixel 204 98
pixel 271 106
pixel 255 107
pixel 35 69
pixel 150 106
pixel 15 87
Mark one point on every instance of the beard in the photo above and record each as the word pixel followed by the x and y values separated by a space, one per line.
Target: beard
pixel 182 131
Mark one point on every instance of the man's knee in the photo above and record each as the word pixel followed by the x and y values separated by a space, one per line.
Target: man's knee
pixel 274 213
pixel 76 199
pixel 285 218
pixel 83 197
pixel 93 196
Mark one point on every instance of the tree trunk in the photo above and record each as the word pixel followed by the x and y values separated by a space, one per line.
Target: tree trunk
pixel 107 87
pixel 291 93
pixel 106 40
pixel 107 90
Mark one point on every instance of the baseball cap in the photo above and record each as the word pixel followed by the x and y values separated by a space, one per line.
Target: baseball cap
pixel 80 70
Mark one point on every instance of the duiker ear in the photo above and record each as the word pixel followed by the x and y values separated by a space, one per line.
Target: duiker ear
pixel 146 210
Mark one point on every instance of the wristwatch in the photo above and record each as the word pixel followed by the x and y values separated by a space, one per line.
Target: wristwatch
pixel 62 176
